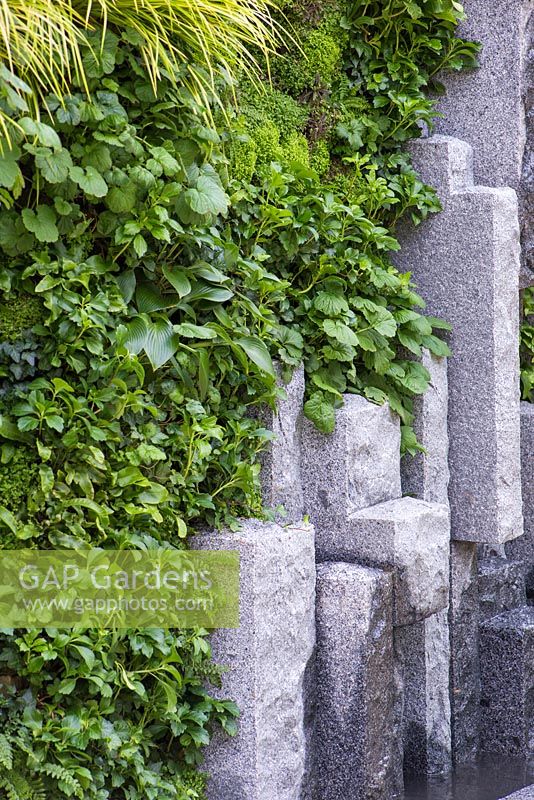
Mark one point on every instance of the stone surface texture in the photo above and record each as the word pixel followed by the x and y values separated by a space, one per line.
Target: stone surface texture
pixel 280 475
pixel 268 655
pixel 501 586
pixel 491 99
pixel 465 262
pixel 507 680
pixel 355 733
pixel 409 537
pixel 465 663
pixel 356 466
pixel 522 549
pixel 423 652
pixel 524 794
pixel 526 189
pixel 426 475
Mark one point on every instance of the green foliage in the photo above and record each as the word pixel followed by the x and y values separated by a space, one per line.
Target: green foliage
pixel 95 711
pixel 527 346
pixel 151 267
pixel 21 314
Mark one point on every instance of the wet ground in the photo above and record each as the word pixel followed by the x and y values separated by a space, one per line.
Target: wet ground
pixel 492 778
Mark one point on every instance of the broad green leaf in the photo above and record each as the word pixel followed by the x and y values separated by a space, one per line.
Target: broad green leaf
pixel 121 199
pixel 148 298
pixel 258 353
pixel 178 280
pixel 44 133
pixel 136 333
pixel 191 331
pixel 330 304
pixel 54 165
pixel 161 342
pixel 42 223
pixel 320 412
pixel 89 180
pixel 207 197
pixel 339 331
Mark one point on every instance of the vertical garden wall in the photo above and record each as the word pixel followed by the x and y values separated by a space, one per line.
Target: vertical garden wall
pixel 174 218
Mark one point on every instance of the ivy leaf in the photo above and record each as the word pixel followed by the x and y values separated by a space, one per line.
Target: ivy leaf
pixel 89 180
pixel 42 223
pixel 161 342
pixel 321 412
pixel 258 353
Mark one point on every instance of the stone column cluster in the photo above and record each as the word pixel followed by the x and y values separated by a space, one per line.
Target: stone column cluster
pixel 385 618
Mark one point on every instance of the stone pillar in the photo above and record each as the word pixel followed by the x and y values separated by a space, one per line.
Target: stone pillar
pixel 465 262
pixel 522 549
pixel 485 108
pixel 423 652
pixel 507 678
pixel 280 474
pixel 355 733
pixel 356 466
pixel 465 662
pixel 501 586
pixel 426 475
pixel 268 657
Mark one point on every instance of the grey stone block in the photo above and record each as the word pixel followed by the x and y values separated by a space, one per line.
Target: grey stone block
pixel 426 475
pixel 280 474
pixel 423 652
pixel 356 466
pixel 267 656
pixel 355 733
pixel 485 107
pixel 465 262
pixel 522 549
pixel 465 662
pixel 501 586
pixel 409 537
pixel 507 679
pixel 524 794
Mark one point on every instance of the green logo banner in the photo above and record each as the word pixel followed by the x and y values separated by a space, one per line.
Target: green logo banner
pixel 119 588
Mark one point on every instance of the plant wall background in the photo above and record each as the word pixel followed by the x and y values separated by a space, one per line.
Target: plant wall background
pixel 156 255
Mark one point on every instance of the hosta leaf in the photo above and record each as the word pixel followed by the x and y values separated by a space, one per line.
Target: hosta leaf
pixel 195 331
pixel 161 342
pixel 178 280
pixel 148 298
pixel 258 353
pixel 135 336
